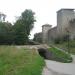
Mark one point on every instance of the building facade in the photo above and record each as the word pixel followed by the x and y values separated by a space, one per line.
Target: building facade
pixel 65 25
pixel 64 16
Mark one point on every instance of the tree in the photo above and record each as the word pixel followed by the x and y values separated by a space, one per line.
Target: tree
pixel 38 37
pixel 23 26
pixel 5 32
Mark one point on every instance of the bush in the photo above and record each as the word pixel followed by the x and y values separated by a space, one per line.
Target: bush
pixel 57 41
pixel 61 39
pixel 71 44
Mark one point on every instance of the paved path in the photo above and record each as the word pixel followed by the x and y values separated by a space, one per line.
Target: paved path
pixel 46 71
pixel 73 56
pixel 57 68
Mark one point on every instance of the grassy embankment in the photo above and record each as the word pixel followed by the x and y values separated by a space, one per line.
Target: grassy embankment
pixel 65 45
pixel 59 55
pixel 14 61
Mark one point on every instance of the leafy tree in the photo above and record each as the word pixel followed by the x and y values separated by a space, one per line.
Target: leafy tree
pixel 38 37
pixel 23 26
pixel 5 32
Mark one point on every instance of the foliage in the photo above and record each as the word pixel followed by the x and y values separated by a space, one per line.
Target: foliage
pixel 71 44
pixel 5 33
pixel 64 46
pixel 60 55
pixel 57 40
pixel 60 40
pixel 38 37
pixel 20 61
pixel 23 26
pixel 20 31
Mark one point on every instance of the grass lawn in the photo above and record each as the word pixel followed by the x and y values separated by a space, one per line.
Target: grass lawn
pixel 14 61
pixel 59 55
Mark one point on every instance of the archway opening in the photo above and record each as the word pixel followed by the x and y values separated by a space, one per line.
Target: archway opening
pixel 42 52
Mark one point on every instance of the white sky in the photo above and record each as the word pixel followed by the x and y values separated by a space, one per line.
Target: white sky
pixel 45 10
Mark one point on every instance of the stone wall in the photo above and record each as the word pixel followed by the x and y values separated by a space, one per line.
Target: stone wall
pixel 64 16
pixel 72 29
pixel 45 29
pixel 52 34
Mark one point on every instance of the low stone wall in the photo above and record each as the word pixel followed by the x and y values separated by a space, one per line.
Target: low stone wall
pixel 34 46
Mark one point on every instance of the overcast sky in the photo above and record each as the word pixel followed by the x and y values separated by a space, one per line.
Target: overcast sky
pixel 45 10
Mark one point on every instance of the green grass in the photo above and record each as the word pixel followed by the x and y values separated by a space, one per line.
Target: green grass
pixel 64 45
pixel 14 61
pixel 59 55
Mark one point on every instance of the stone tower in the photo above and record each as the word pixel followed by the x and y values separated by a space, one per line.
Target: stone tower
pixel 45 29
pixel 64 16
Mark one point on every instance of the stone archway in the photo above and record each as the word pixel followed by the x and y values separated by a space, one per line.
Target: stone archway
pixel 45 53
pixel 42 52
